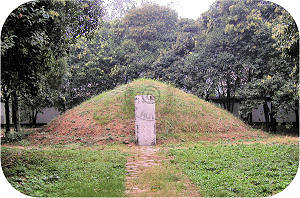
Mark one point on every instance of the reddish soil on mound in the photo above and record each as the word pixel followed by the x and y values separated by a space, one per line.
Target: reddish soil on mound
pixel 72 127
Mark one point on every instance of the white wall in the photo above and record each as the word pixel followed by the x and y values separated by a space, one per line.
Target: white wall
pixel 258 113
pixel 46 116
pixel 3 114
pixel 259 116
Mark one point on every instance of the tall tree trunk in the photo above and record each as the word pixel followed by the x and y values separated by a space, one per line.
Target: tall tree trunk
pixel 232 105
pixel 33 116
pixel 7 117
pixel 297 118
pixel 266 112
pixel 15 111
pixel 228 103
pixel 228 97
pixel 250 118
pixel 224 104
pixel 273 123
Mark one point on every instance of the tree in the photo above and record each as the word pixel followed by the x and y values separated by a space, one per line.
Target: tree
pixel 276 79
pixel 34 36
pixel 47 95
pixel 98 64
pixel 121 51
pixel 21 44
pixel 286 35
pixel 170 65
pixel 153 29
pixel 239 35
pixel 89 68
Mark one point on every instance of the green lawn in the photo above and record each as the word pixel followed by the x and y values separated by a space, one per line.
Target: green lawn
pixel 216 169
pixel 239 170
pixel 63 172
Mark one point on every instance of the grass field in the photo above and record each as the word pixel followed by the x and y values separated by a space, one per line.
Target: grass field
pixel 214 168
pixel 239 170
pixel 62 172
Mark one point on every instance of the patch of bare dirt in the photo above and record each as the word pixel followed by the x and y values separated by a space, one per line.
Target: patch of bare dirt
pixel 144 161
pixel 142 158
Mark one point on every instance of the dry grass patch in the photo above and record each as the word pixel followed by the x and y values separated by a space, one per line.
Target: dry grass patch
pixel 164 180
pixel 273 139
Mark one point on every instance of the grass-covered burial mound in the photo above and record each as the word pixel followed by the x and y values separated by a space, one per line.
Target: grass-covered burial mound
pixel 110 117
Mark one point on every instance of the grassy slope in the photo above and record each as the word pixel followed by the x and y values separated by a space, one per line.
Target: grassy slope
pixel 61 172
pixel 180 117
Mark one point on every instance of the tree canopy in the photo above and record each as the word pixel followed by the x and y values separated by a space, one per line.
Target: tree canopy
pixel 238 50
pixel 35 39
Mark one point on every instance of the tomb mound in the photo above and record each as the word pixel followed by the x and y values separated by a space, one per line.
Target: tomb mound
pixel 109 117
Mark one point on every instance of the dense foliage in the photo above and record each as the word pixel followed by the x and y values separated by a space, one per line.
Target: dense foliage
pixel 35 41
pixel 238 50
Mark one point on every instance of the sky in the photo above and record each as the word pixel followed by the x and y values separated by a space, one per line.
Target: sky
pixel 194 8
pixel 188 8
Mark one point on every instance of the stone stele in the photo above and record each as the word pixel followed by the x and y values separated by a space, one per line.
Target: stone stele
pixel 145 133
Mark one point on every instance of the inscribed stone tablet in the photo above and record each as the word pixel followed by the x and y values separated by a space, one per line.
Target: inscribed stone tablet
pixel 145 120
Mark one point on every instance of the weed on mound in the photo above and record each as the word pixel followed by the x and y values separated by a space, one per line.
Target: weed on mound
pixel 109 117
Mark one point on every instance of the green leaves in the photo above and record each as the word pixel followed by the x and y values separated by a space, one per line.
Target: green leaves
pixel 35 39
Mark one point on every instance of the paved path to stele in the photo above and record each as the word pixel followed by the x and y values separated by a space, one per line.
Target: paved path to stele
pixel 144 167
